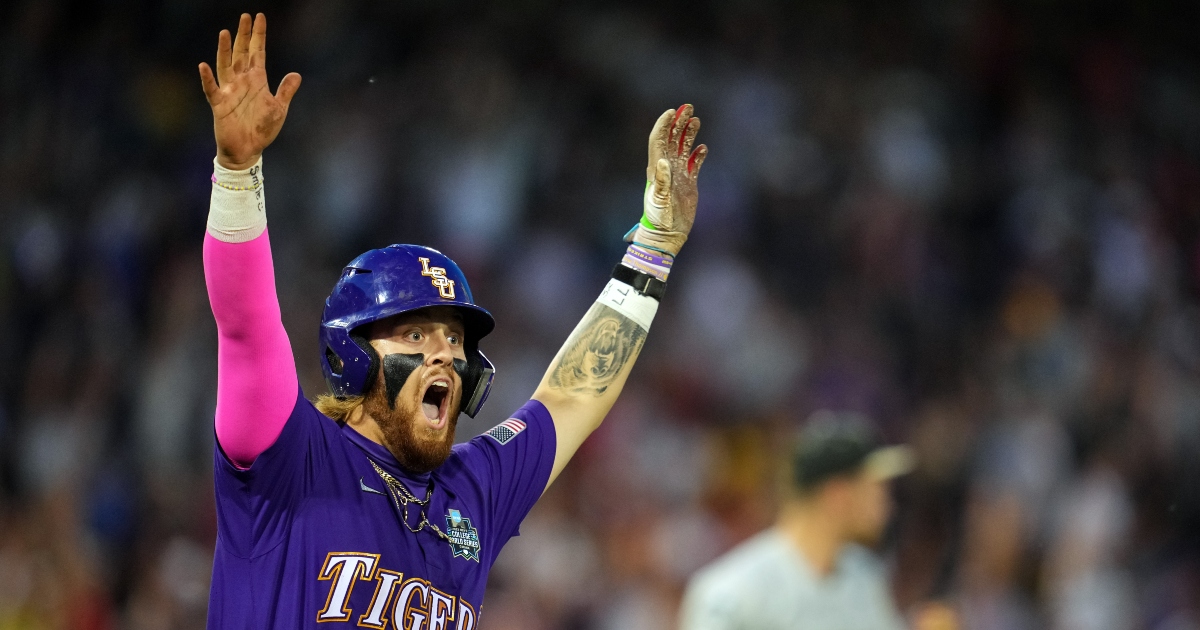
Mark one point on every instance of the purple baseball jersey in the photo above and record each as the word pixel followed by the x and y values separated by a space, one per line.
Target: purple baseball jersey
pixel 309 534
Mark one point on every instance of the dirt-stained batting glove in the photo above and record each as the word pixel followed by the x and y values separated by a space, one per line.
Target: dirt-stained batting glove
pixel 669 206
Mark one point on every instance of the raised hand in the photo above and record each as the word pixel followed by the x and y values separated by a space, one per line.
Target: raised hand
pixel 246 116
pixel 671 195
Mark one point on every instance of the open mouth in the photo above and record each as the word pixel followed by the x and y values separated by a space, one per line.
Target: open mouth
pixel 435 400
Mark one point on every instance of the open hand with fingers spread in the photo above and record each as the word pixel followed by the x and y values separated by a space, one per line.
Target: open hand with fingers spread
pixel 246 116
pixel 670 200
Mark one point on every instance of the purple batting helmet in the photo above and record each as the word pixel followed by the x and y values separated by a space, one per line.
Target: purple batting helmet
pixel 389 281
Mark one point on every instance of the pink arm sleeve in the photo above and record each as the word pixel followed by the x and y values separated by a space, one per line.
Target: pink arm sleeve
pixel 256 373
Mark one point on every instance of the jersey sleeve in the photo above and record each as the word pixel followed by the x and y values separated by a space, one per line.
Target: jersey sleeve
pixel 513 461
pixel 256 504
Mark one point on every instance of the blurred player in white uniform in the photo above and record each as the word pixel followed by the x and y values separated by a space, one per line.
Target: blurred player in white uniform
pixel 812 569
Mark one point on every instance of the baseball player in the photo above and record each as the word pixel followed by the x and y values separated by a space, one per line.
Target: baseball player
pixel 809 570
pixel 359 510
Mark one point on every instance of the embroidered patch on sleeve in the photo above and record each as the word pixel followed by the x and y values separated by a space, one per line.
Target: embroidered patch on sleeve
pixel 506 430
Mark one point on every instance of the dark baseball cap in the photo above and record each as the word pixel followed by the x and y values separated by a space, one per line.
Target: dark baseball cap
pixel 838 444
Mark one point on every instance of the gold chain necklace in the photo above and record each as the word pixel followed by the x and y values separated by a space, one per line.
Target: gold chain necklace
pixel 401 497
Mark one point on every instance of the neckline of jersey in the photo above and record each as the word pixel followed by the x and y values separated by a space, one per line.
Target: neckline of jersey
pixel 417 482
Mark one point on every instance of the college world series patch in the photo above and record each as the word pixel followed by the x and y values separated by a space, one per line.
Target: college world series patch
pixel 506 430
pixel 464 539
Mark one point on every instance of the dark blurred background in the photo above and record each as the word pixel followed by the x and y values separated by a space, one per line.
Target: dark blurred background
pixel 975 221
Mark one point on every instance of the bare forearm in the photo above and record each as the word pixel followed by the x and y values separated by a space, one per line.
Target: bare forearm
pixel 589 371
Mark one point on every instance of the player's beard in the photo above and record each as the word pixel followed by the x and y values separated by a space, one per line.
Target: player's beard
pixel 406 432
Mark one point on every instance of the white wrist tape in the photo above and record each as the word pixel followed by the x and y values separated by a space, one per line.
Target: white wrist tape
pixel 625 300
pixel 238 210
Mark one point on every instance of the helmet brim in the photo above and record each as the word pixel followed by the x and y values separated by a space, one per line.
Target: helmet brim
pixel 477 322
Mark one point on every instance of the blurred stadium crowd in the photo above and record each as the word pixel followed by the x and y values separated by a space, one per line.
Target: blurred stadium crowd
pixel 976 222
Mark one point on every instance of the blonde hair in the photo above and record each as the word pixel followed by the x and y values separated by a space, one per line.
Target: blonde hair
pixel 337 408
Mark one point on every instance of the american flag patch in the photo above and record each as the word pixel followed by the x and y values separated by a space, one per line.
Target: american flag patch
pixel 506 430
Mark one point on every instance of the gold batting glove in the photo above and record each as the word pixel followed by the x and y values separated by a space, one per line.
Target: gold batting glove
pixel 669 205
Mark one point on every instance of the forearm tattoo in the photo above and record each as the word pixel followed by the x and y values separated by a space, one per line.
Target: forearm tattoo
pixel 596 352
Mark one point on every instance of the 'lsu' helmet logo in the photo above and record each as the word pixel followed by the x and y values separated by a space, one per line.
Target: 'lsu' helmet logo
pixel 437 275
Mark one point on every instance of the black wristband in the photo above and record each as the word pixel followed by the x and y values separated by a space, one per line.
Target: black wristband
pixel 643 283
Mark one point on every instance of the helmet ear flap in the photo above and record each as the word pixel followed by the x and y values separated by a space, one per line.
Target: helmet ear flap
pixel 476 373
pixel 373 367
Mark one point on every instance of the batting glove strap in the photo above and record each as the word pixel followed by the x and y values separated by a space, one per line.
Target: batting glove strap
pixel 643 283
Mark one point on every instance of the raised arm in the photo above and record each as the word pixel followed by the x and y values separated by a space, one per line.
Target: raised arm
pixel 256 373
pixel 589 371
